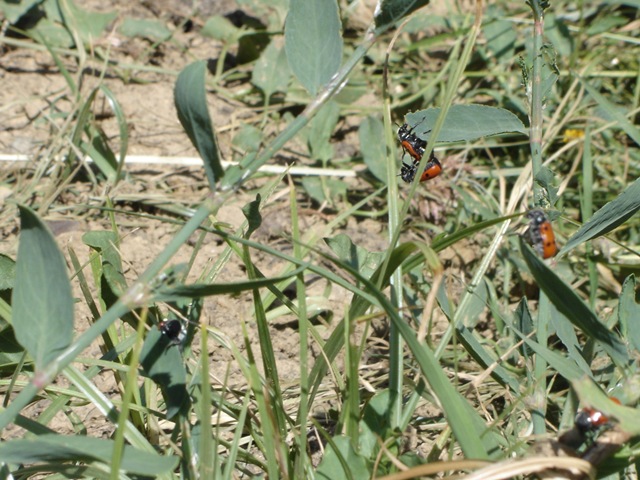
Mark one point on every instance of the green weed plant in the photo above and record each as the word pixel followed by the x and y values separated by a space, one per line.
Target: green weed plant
pixel 525 93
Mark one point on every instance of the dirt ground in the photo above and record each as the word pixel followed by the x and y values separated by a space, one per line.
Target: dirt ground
pixel 31 82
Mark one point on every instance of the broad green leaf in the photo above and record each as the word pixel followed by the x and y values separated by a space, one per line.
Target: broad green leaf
pixel 248 139
pixel 341 460
pixel 106 244
pixel 220 28
pixel 7 272
pixel 61 18
pixel 466 122
pixel 375 424
pixel 271 72
pixel 162 362
pixel 545 179
pixel 371 132
pixel 613 214
pixel 53 34
pixel 191 103
pixel 88 24
pixel 389 12
pixel 324 189
pixel 629 312
pixel 358 258
pixel 251 211
pixel 313 42
pixel 57 448
pixel 42 300
pixel 321 129
pixel 572 306
pixel 13 11
pixel 138 27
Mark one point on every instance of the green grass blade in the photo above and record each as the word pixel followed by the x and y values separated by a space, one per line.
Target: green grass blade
pixel 629 312
pixel 571 305
pixel 612 215
pixel 106 407
pixel 557 361
pixel 467 426
pixel 302 461
pixel 566 333
pixel 484 359
pixel 613 111
pixel 268 435
pixel 130 388
pixel 71 83
pixel 206 455
pixel 234 448
pixel 123 130
pixel 80 447
pixel 167 294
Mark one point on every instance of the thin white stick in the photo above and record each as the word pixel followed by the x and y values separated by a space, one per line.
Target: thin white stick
pixel 197 162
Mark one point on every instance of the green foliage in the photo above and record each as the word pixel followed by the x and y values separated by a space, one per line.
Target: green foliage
pixel 356 257
pixel 57 448
pixel 370 131
pixel 7 272
pixel 483 340
pixel 58 24
pixel 313 42
pixel 342 460
pixel 610 216
pixel 466 122
pixel 191 104
pixel 151 29
pixel 42 303
pixel 271 73
pixel 567 302
pixel 392 11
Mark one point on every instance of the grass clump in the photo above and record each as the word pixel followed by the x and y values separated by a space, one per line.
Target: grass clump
pixel 331 321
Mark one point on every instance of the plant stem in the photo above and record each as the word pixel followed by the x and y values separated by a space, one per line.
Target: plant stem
pixel 535 133
pixel 539 196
